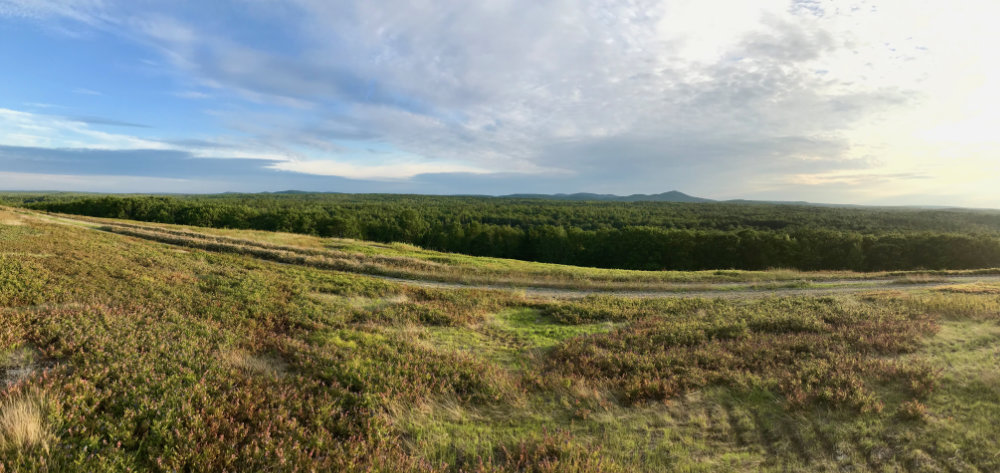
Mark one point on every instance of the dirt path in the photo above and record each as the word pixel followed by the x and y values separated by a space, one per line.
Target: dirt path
pixel 726 290
pixel 722 291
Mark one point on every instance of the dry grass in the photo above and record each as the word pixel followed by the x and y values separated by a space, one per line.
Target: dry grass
pixel 9 218
pixel 367 303
pixel 919 278
pixel 22 424
pixel 21 254
pixel 974 288
pixel 252 364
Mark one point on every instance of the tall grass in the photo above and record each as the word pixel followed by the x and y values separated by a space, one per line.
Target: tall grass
pixel 22 426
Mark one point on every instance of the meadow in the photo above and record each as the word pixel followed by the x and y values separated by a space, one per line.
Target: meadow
pixel 139 347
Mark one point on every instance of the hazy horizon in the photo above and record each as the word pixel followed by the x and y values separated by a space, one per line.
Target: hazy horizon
pixel 869 103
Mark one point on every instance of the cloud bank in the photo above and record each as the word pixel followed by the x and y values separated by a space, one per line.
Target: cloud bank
pixel 808 99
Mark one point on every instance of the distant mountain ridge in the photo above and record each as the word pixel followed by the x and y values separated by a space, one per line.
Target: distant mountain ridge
pixel 672 196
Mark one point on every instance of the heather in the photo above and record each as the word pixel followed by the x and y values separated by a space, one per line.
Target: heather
pixel 120 352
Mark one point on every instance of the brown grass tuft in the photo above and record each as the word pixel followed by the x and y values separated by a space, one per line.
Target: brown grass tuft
pixel 21 423
pixel 8 218
pixel 913 410
pixel 251 364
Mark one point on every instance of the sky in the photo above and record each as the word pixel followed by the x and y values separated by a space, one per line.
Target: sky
pixel 868 102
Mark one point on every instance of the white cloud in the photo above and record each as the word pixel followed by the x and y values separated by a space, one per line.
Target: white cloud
pixel 398 170
pixel 638 95
pixel 18 128
pixel 87 11
pixel 98 183
pixel 83 91
pixel 191 94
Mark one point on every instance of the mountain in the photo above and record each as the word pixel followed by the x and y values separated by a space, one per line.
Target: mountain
pixel 672 196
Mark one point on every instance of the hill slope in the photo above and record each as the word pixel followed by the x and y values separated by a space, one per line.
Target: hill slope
pixel 125 354
pixel 621 235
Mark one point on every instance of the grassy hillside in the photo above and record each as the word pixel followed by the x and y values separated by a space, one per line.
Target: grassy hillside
pixel 124 353
pixel 620 235
pixel 415 263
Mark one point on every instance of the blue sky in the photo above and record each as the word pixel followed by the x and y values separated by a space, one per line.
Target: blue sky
pixel 872 102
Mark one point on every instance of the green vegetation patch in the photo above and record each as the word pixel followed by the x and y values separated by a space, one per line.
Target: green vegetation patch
pixel 539 330
pixel 20 281
pixel 514 338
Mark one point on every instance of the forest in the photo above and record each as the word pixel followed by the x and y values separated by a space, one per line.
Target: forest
pixel 625 235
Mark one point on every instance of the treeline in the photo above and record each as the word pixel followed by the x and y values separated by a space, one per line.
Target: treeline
pixel 644 235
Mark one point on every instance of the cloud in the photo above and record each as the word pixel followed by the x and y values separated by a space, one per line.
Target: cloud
pixel 398 170
pixel 856 179
pixel 26 129
pixel 192 94
pixel 19 128
pixel 104 121
pixel 83 91
pixel 485 85
pixel 134 162
pixel 42 105
pixel 86 11
pixel 612 96
pixel 92 170
pixel 19 181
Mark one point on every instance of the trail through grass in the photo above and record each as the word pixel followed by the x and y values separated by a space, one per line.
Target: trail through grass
pixel 122 354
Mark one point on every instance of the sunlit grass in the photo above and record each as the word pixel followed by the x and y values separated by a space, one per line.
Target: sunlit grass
pixel 403 260
pixel 152 359
pixel 22 425
pixel 253 364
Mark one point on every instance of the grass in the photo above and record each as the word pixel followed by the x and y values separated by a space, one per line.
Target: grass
pixel 16 363
pixel 254 364
pixel 920 278
pixel 974 288
pixel 123 354
pixel 22 427
pixel 962 411
pixel 513 338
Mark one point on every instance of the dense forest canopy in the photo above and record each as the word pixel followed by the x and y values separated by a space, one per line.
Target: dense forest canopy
pixel 628 235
